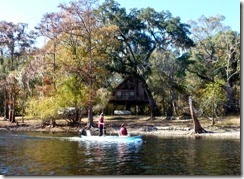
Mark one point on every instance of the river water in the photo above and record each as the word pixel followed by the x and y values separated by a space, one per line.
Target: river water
pixel 45 154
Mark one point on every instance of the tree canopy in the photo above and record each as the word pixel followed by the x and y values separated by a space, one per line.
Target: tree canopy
pixel 90 47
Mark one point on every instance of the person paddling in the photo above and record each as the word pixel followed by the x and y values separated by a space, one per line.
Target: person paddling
pixel 101 124
pixel 123 130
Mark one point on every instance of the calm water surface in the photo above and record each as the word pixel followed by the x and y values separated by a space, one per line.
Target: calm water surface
pixel 33 153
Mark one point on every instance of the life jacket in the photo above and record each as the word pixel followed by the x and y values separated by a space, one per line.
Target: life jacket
pixel 123 131
pixel 100 121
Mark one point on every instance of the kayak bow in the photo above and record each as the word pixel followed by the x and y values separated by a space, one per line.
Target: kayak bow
pixel 137 138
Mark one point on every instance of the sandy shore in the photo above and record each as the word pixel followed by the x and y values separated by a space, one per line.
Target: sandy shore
pixel 134 128
pixel 187 132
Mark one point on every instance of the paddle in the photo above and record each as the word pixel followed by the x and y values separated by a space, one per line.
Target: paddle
pixel 103 129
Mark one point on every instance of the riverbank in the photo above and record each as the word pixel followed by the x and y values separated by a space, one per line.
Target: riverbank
pixel 227 127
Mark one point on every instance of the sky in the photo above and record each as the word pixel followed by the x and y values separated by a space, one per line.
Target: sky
pixel 193 9
pixel 31 11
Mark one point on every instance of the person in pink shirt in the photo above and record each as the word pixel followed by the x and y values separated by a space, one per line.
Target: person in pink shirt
pixel 101 124
pixel 123 130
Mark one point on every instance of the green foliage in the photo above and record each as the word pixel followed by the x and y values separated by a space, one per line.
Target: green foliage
pixel 142 42
pixel 102 98
pixel 216 58
pixel 43 108
pixel 71 93
pixel 184 63
pixel 212 95
pixel 141 32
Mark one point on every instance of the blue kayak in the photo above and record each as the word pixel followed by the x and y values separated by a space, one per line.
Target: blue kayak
pixel 137 139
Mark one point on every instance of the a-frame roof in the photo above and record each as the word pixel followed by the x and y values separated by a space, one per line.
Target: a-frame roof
pixel 129 91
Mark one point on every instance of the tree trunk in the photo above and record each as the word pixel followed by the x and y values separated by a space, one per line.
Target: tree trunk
pixel 23 110
pixel 11 112
pixel 13 106
pixel 153 106
pixel 213 113
pixel 10 105
pixel 170 108
pixel 230 106
pixel 171 98
pixel 197 126
pixel 90 116
pixel 53 123
pixel 5 107
pixel 90 113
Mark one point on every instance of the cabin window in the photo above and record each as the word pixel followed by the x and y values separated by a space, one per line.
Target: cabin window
pixel 118 94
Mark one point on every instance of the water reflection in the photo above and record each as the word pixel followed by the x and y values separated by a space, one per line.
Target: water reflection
pixel 188 156
pixel 126 154
pixel 110 157
pixel 57 154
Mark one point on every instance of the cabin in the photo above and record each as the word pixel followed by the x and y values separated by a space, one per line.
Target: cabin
pixel 130 94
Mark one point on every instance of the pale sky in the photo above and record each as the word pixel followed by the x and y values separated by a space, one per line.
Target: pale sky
pixel 31 11
pixel 193 9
